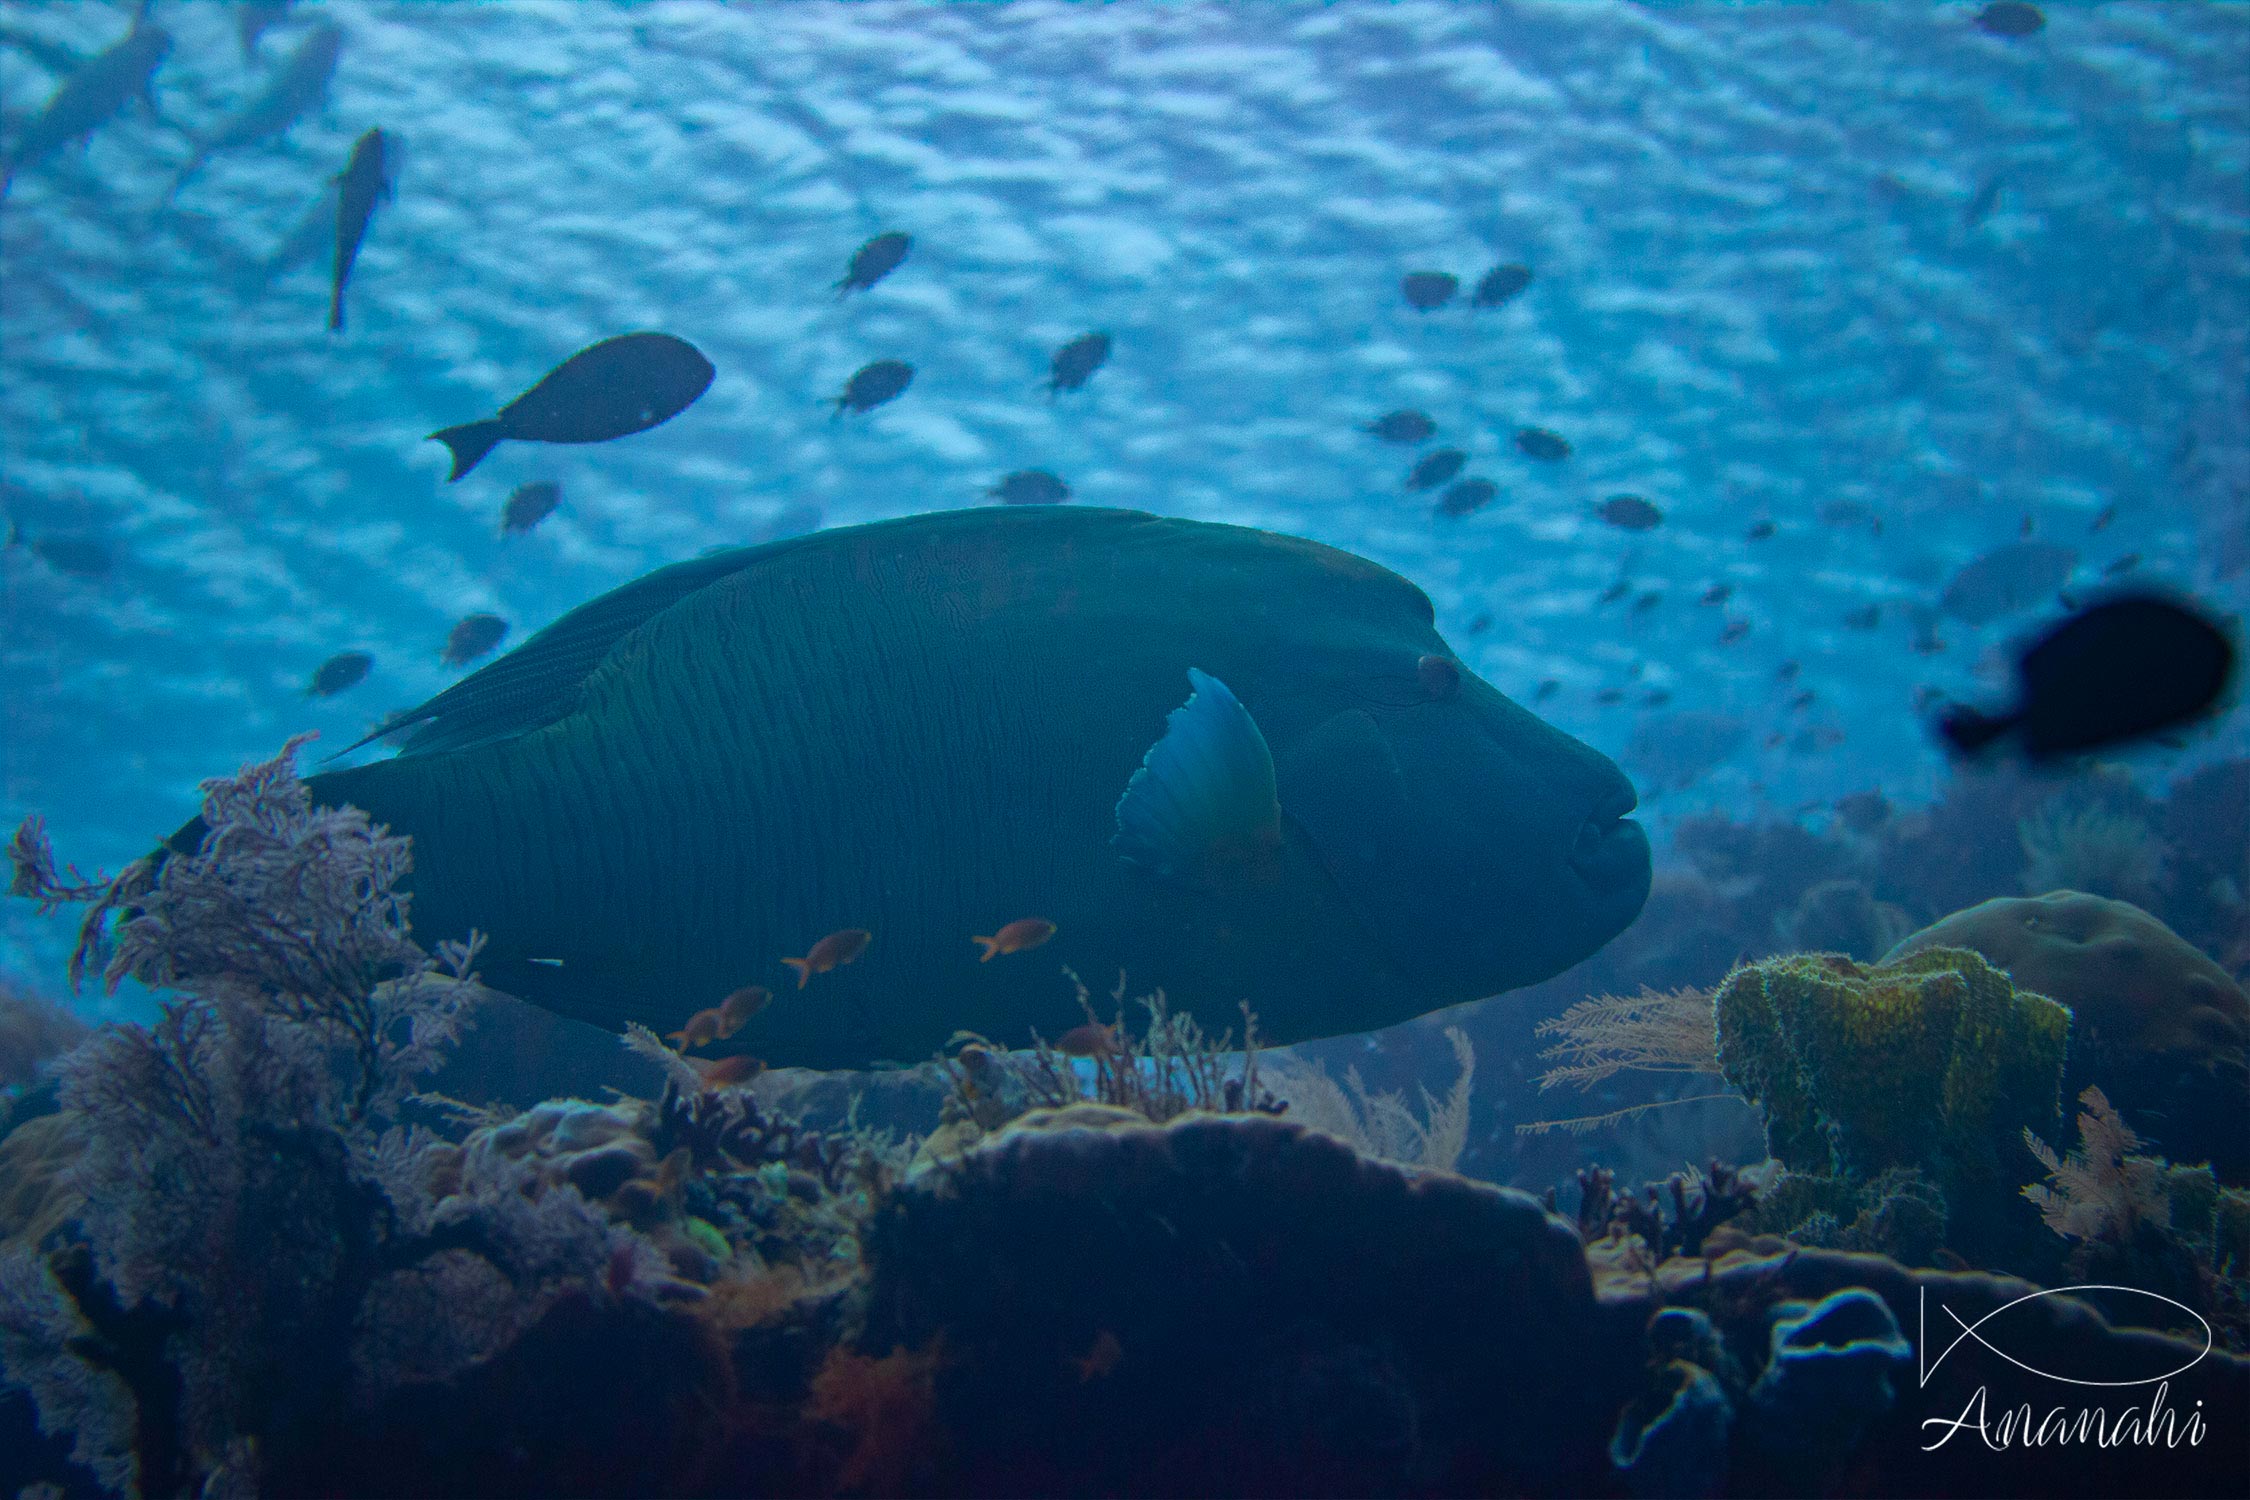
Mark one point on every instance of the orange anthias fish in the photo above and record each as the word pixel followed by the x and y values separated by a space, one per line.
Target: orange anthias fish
pixel 736 1010
pixel 702 1028
pixel 1024 932
pixel 831 952
pixel 1089 1040
pixel 726 1072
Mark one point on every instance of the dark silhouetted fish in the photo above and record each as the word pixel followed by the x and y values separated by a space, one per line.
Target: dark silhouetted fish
pixel 1648 601
pixel 1732 631
pixel 2010 18
pixel 1501 284
pixel 1426 291
pixel 2122 566
pixel 1539 443
pixel 2007 579
pixel 343 670
pixel 612 389
pixel 1403 427
pixel 529 505
pixel 1435 469
pixel 1717 593
pixel 873 261
pixel 1030 487
pixel 89 98
pixel 1982 202
pixel 909 726
pixel 253 18
pixel 1616 591
pixel 1630 513
pixel 2124 669
pixel 1467 497
pixel 1075 362
pixel 471 638
pixel 79 556
pixel 1759 531
pixel 1546 689
pixel 366 180
pixel 872 385
pixel 299 88
pixel 2101 521
pixel 1481 623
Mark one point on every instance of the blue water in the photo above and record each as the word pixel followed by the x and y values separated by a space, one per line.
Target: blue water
pixel 1828 267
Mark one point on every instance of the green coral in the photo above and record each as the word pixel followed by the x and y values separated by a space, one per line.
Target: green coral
pixel 1929 1061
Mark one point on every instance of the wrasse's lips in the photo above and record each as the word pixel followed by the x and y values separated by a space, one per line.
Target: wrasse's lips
pixel 1611 850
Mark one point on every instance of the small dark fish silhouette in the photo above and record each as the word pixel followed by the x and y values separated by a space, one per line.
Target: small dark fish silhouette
pixel 1467 497
pixel 1546 689
pixel 1630 513
pixel 529 505
pixel 1647 602
pixel 1734 630
pixel 2010 18
pixel 366 180
pixel 1866 618
pixel 1656 698
pixel 344 669
pixel 1075 362
pixel 1426 291
pixel 873 261
pixel 1500 285
pixel 2108 514
pixel 2122 566
pixel 1616 591
pixel 1406 426
pixel 298 88
pixel 1717 593
pixel 872 385
pixel 79 556
pixel 1610 695
pixel 1803 700
pixel 1787 671
pixel 612 389
pixel 1436 468
pixel 472 637
pixel 1759 531
pixel 1481 623
pixel 1030 487
pixel 1982 202
pixel 89 98
pixel 2124 669
pixel 1539 443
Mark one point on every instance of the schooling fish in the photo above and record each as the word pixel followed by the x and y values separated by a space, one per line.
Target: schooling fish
pixel 1467 497
pixel 701 1030
pixel 612 389
pixel 736 1010
pixel 472 637
pixel 89 98
pixel 2010 19
pixel 1501 284
pixel 2120 670
pixel 1436 468
pixel 831 952
pixel 1075 362
pixel 1030 487
pixel 343 670
pixel 1426 291
pixel 299 88
pixel 366 180
pixel 1024 932
pixel 528 505
pixel 1630 513
pixel 910 725
pixel 873 261
pixel 1405 426
pixel 872 385
pixel 1539 443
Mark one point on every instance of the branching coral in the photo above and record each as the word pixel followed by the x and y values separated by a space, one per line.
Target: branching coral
pixel 2091 848
pixel 2102 1190
pixel 1664 1032
pixel 1383 1124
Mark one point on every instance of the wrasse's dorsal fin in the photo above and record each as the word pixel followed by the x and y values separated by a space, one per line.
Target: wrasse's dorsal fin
pixel 1203 799
pixel 538 682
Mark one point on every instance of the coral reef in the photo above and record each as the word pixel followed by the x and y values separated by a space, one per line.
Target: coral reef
pixel 1934 1061
pixel 33 1032
pixel 1382 1124
pixel 2158 1026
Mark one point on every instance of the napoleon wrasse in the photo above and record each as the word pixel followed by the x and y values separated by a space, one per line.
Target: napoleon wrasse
pixel 1234 764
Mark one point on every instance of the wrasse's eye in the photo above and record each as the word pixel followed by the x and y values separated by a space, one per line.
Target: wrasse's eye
pixel 1440 676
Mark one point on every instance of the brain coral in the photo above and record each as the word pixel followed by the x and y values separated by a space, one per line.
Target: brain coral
pixel 2158 1026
